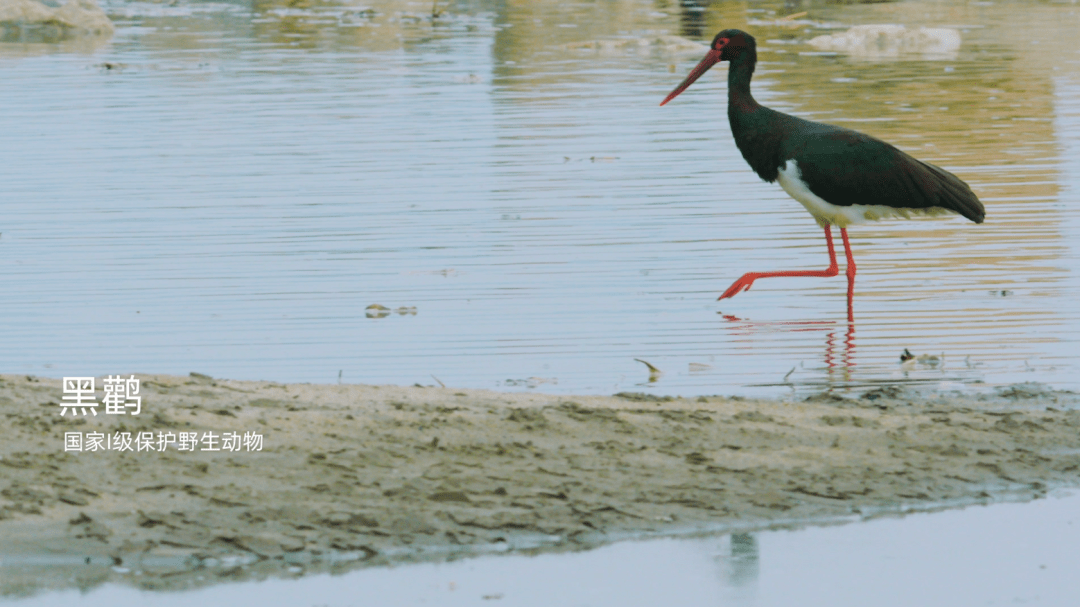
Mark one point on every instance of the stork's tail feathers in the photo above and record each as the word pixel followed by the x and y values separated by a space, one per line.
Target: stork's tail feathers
pixel 955 195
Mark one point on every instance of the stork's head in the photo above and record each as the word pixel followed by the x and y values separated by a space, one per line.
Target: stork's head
pixel 728 45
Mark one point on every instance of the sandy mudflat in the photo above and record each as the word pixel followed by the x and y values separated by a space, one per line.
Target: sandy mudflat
pixel 353 476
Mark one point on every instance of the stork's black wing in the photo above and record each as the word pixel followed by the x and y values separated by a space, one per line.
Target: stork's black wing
pixel 845 167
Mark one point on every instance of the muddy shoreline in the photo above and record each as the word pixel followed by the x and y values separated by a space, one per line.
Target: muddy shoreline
pixel 353 475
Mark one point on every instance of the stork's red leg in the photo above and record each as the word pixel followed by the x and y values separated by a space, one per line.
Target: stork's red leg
pixel 744 283
pixel 850 275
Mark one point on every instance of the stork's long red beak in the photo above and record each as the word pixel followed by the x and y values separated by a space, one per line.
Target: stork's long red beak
pixel 711 59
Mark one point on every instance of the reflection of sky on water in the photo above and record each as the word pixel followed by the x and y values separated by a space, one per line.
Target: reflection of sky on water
pixel 233 198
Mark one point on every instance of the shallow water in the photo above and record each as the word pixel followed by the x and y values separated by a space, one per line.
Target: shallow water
pixel 1003 554
pixel 227 187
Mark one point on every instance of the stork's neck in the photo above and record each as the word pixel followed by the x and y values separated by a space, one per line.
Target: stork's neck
pixel 754 126
pixel 740 71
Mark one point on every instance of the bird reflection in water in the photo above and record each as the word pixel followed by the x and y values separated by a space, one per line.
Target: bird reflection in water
pixel 839 358
pixel 692 22
pixel 739 566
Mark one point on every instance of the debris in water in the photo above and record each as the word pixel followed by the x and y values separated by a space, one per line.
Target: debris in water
pixel 929 359
pixel 377 311
pixel 907 359
pixel 530 382
pixel 654 373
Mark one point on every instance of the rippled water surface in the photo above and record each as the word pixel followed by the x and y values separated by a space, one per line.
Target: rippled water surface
pixel 228 187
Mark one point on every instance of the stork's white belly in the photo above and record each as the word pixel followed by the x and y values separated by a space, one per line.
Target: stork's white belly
pixel 827 213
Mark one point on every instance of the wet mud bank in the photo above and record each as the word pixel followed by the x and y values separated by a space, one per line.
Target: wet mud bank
pixel 353 475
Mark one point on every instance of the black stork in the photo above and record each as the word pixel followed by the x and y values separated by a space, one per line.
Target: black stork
pixel 841 176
